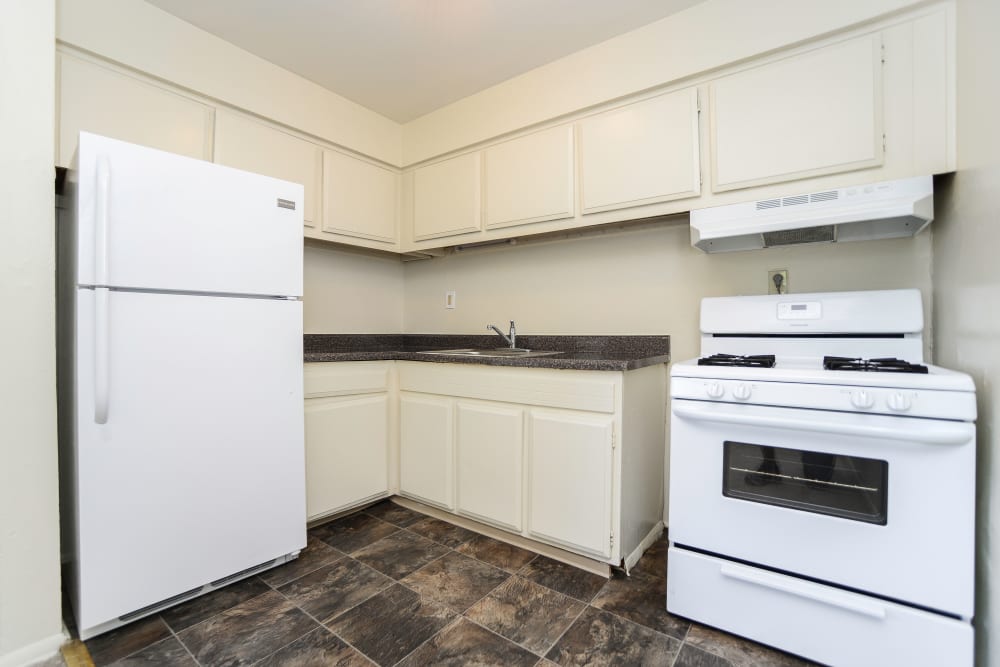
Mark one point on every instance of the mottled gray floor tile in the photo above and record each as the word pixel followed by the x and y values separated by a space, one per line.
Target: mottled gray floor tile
pixel 166 653
pixel 598 638
pixel 445 533
pixel 400 554
pixel 126 640
pixel 739 651
pixel 654 561
pixel 497 553
pixel 641 598
pixel 319 648
pixel 566 579
pixel 333 589
pixel 394 514
pixel 388 626
pixel 353 532
pixel 456 580
pixel 695 657
pixel 316 554
pixel 247 632
pixel 206 606
pixel 526 613
pixel 466 644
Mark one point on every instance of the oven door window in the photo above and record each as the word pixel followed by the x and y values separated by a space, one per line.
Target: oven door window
pixel 849 487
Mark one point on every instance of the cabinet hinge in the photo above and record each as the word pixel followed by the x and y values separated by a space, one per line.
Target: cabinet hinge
pixel 883 142
pixel 883 54
pixel 612 540
pixel 614 440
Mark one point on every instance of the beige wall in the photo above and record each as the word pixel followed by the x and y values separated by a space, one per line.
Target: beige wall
pixel 352 292
pixel 967 284
pixel 30 619
pixel 643 281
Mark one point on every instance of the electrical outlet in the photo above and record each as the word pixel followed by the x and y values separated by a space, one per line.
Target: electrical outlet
pixel 449 299
pixel 777 281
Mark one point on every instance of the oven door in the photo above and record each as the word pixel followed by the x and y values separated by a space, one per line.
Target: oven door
pixel 880 504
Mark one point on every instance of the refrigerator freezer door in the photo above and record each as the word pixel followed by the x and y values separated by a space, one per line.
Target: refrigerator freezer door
pixel 148 219
pixel 198 471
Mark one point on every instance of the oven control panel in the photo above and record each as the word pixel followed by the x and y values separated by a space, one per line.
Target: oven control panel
pixel 877 400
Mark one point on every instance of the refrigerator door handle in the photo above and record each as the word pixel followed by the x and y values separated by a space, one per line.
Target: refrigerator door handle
pixel 102 354
pixel 101 215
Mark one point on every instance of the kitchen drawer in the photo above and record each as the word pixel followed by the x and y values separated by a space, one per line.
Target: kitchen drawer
pixel 346 378
pixel 819 622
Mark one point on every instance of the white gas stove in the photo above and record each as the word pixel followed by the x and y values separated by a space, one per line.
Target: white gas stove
pixel 822 481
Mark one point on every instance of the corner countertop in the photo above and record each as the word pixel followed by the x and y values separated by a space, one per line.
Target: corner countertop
pixel 586 353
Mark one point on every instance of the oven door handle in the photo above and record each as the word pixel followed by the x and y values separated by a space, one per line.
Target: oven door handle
pixel 802 589
pixel 931 432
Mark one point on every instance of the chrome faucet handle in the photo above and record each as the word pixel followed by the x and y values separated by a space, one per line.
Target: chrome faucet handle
pixel 513 335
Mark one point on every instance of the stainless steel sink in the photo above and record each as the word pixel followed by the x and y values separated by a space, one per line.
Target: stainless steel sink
pixel 495 352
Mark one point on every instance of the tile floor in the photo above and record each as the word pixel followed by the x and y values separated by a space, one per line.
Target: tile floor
pixel 390 586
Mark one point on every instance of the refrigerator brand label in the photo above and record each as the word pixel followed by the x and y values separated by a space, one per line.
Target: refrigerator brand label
pixel 286 203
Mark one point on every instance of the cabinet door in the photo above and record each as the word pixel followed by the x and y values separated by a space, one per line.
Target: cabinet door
pixel 570 471
pixel 252 146
pixel 815 113
pixel 530 179
pixel 359 198
pixel 426 453
pixel 446 198
pixel 489 444
pixel 347 441
pixel 642 153
pixel 99 100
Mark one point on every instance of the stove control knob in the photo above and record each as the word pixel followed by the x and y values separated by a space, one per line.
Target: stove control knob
pixel 899 402
pixel 741 392
pixel 714 390
pixel 862 400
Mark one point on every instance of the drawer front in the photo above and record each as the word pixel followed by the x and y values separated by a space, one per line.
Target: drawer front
pixel 818 622
pixel 345 378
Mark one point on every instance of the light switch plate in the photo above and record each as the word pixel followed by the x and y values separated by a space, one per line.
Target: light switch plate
pixel 449 299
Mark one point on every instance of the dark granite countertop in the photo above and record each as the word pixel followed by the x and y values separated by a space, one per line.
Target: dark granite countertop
pixel 588 353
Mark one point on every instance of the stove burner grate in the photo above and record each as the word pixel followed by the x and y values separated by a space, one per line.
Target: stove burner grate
pixel 753 360
pixel 884 365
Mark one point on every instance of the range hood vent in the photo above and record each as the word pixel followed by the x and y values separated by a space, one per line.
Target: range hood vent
pixel 892 209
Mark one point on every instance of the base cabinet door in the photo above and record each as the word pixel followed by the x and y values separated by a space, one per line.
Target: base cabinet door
pixel 347 441
pixel 570 463
pixel 426 449
pixel 489 444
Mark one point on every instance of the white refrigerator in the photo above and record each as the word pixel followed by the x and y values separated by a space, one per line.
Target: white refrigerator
pixel 180 378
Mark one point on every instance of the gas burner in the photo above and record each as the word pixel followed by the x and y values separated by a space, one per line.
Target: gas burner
pixel 754 360
pixel 884 365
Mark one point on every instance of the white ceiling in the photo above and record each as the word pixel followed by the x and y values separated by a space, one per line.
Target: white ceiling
pixel 405 58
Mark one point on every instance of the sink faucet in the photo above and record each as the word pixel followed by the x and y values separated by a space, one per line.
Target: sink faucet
pixel 510 339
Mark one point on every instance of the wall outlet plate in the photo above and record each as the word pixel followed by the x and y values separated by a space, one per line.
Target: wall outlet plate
pixel 449 299
pixel 777 285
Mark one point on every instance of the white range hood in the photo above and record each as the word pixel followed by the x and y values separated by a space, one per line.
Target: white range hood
pixel 886 210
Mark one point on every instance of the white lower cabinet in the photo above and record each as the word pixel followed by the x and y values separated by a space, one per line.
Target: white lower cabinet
pixel 490 443
pixel 426 451
pixel 346 454
pixel 539 452
pixel 571 459
pixel 348 416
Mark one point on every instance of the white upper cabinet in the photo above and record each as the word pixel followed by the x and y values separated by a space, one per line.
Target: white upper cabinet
pixel 642 153
pixel 446 198
pixel 247 144
pixel 99 100
pixel 359 198
pixel 530 179
pixel 807 115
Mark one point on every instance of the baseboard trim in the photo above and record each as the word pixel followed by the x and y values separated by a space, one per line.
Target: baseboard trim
pixel 35 652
